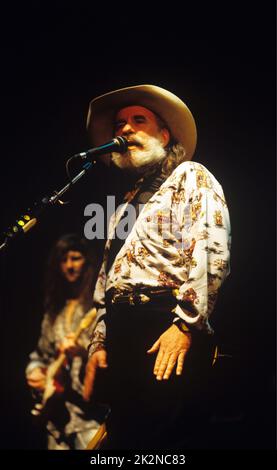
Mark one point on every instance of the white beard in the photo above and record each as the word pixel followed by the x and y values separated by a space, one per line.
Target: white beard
pixel 139 159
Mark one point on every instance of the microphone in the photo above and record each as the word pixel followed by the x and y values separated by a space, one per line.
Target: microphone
pixel 118 144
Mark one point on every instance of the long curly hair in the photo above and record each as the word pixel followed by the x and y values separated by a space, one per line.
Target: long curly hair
pixel 57 289
pixel 176 153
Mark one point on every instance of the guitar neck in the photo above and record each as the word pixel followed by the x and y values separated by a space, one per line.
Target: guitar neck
pixel 55 367
pixel 77 333
pixel 57 364
pixel 62 356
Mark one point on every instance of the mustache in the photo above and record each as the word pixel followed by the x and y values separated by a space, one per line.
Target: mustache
pixel 135 141
pixel 73 271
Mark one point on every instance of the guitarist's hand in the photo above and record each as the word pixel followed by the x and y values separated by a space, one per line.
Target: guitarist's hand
pixel 98 359
pixel 68 345
pixel 36 378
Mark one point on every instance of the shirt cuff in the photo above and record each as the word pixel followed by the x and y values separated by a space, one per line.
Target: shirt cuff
pixel 188 319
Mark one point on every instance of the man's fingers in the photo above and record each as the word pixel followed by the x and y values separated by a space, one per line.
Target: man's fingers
pixel 163 366
pixel 97 360
pixel 89 381
pixel 155 347
pixel 172 347
pixel 180 363
pixel 102 362
pixel 158 361
pixel 70 336
pixel 88 388
pixel 87 392
pixel 170 365
pixel 101 359
pixel 67 344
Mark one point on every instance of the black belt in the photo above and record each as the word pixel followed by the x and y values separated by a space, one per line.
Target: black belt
pixel 140 296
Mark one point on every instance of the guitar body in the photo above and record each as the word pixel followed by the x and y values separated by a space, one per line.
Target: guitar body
pixel 53 384
pixel 49 405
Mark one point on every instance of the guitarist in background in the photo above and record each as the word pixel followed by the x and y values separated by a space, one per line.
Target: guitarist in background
pixel 70 280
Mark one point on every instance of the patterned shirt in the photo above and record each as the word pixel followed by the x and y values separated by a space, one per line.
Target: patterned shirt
pixel 180 241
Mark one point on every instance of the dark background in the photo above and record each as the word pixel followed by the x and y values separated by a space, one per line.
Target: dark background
pixel 220 59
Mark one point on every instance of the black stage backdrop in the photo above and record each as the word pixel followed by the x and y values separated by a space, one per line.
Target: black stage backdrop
pixel 220 60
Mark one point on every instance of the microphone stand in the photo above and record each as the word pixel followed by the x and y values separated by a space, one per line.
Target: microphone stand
pixel 27 221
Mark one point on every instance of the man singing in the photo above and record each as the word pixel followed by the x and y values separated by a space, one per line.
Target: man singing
pixel 157 288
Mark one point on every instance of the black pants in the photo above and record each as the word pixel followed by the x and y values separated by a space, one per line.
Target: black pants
pixel 146 413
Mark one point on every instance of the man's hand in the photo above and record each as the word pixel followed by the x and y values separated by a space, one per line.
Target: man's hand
pixel 98 359
pixel 173 346
pixel 68 345
pixel 36 378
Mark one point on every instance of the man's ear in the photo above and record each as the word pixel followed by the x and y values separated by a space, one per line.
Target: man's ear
pixel 165 136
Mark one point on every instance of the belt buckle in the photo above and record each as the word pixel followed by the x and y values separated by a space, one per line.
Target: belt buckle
pixel 131 299
pixel 138 299
pixel 115 298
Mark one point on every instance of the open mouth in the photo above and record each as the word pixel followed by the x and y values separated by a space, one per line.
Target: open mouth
pixel 134 144
pixel 72 273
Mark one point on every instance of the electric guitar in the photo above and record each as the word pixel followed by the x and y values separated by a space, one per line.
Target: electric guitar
pixel 52 386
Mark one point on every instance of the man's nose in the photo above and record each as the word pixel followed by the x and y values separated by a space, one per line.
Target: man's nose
pixel 127 129
pixel 69 264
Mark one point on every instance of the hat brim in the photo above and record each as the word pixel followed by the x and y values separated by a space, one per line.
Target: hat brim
pixel 172 110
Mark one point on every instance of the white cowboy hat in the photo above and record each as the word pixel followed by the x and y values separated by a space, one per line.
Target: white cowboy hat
pixel 172 110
